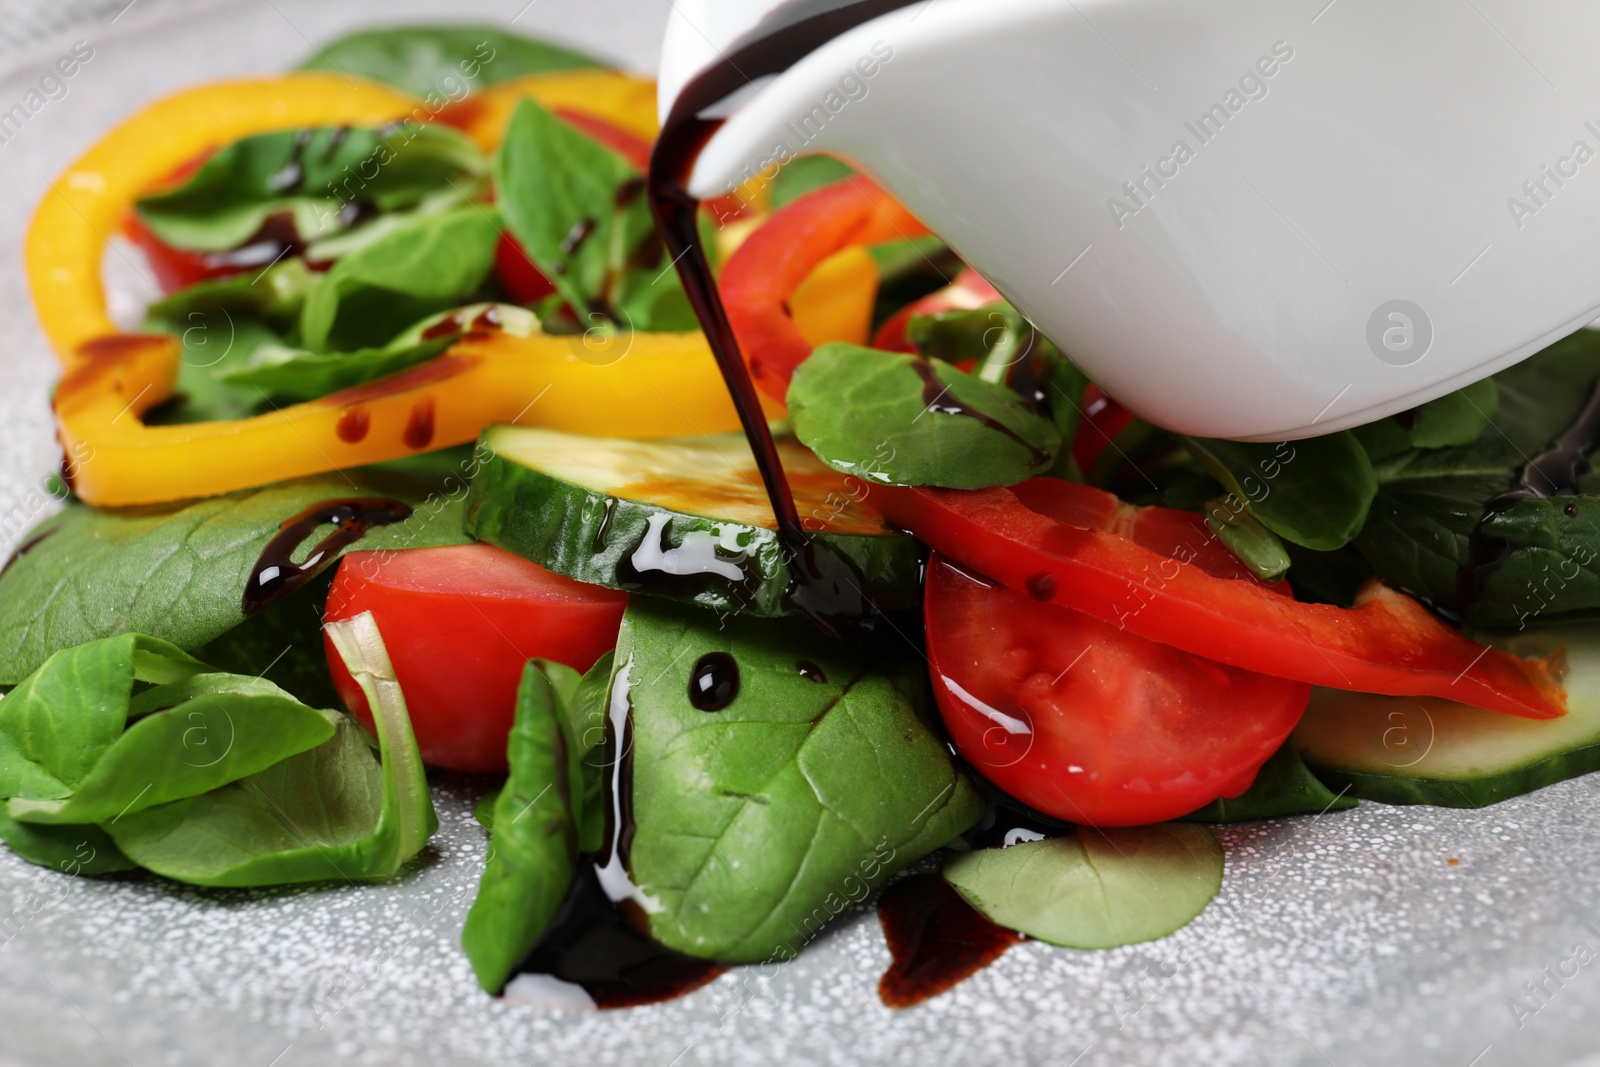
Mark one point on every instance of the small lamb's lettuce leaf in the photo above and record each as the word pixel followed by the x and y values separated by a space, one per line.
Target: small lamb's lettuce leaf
pixel 1452 421
pixel 1314 492
pixel 895 419
pixel 1283 786
pixel 309 175
pixel 432 263
pixel 62 719
pixel 179 572
pixel 442 62
pixel 211 343
pixel 759 822
pixel 1420 535
pixel 188 749
pixel 294 374
pixel 578 210
pixel 273 296
pixel 68 849
pixel 534 852
pixel 330 813
pixel 1095 888
pixel 1009 351
pixel 1243 534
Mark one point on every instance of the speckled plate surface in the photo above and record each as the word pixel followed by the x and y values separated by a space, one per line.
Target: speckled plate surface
pixel 1366 938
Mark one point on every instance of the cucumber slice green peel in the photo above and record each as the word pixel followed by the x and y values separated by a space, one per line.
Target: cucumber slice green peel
pixel 687 519
pixel 1405 750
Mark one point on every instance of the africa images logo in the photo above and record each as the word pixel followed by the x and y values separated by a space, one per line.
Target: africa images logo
pixel 1138 191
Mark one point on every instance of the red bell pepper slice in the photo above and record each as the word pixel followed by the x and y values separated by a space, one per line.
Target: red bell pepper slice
pixel 1077 546
pixel 769 266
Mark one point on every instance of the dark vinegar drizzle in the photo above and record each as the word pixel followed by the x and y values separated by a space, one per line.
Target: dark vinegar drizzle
pixel 713 682
pixel 596 942
pixel 827 587
pixel 936 940
pixel 936 397
pixel 1553 472
pixel 276 574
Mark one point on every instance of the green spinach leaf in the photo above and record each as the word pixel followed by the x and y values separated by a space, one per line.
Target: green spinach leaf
pixel 761 820
pixel 212 343
pixel 578 210
pixel 1096 888
pixel 179 572
pixel 297 374
pixel 310 175
pixel 534 852
pixel 434 62
pixel 330 813
pixel 1283 786
pixel 273 296
pixel 1316 492
pixel 68 849
pixel 432 263
pixel 896 419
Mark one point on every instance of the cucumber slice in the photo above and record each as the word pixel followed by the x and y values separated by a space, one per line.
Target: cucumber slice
pixel 1403 750
pixel 687 519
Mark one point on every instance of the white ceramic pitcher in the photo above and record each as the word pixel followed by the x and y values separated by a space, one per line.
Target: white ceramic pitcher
pixel 1254 219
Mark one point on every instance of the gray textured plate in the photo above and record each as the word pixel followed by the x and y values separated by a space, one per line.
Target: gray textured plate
pixel 1372 937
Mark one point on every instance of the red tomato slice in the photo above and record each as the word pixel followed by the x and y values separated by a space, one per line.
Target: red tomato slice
pixel 460 623
pixel 1087 722
pixel 1139 570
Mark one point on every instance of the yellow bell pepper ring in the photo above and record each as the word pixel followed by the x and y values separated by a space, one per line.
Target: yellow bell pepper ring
pixel 624 101
pixel 628 385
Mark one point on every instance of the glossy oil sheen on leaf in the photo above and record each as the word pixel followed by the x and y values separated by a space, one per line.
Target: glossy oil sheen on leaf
pixel 1314 492
pixel 434 62
pixel 869 413
pixel 759 822
pixel 1095 888
pixel 534 851
pixel 179 572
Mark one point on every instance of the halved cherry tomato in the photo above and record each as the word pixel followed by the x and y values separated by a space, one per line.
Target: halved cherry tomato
pixel 460 623
pixel 1082 548
pixel 970 290
pixel 1087 722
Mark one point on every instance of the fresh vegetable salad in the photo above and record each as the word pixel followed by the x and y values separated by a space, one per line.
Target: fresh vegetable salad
pixel 421 464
